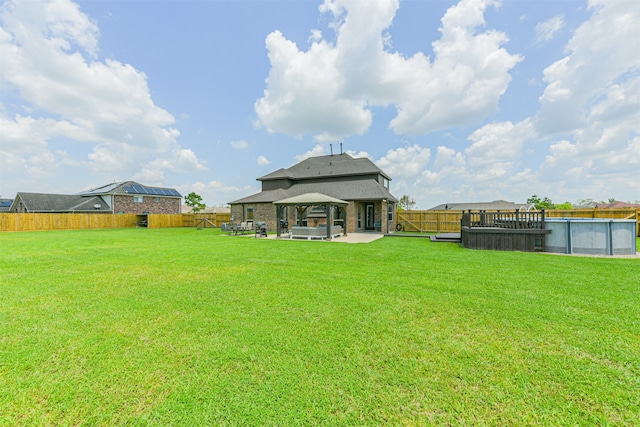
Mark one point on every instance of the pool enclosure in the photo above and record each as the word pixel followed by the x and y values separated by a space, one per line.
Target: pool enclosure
pixel 591 236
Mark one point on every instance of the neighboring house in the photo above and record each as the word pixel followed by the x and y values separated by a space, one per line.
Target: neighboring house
pixel 123 197
pixel 496 205
pixel 618 205
pixel 5 205
pixel 357 181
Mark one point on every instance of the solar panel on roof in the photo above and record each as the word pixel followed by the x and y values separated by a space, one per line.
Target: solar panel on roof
pixel 139 189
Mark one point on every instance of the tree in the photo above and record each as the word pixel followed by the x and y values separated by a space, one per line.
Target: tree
pixel 545 203
pixel 195 201
pixel 406 202
pixel 564 206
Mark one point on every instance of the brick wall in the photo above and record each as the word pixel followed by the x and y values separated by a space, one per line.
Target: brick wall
pixel 150 204
pixel 262 212
pixel 266 212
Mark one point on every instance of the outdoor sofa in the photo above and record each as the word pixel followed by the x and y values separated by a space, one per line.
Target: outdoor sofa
pixel 301 232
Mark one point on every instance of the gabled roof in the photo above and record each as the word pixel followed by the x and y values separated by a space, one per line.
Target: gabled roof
pixel 327 166
pixel 367 189
pixel 42 202
pixel 131 187
pixel 496 205
pixel 279 174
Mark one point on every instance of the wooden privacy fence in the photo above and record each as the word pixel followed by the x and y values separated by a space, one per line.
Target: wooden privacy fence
pixel 205 220
pixel 411 221
pixel 429 221
pixel 449 221
pixel 86 221
pixel 64 221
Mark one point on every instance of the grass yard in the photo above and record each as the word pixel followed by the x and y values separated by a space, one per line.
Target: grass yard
pixel 190 327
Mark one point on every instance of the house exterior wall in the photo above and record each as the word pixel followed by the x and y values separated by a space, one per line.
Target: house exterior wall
pixel 275 184
pixel 149 204
pixel 18 206
pixel 266 212
pixel 262 212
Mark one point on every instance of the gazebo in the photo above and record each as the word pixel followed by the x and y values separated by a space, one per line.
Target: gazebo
pixel 307 200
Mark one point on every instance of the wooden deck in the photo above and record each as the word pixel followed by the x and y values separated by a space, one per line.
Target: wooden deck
pixel 503 231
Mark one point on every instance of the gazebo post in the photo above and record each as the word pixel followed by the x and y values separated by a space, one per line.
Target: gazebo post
pixel 300 210
pixel 278 231
pixel 344 224
pixel 329 221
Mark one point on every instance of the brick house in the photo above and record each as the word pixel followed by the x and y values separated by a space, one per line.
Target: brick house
pixel 371 206
pixel 123 197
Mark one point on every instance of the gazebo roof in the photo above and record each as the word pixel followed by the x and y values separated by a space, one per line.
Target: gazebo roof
pixel 311 199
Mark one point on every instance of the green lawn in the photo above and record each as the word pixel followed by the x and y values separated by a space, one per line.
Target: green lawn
pixel 190 327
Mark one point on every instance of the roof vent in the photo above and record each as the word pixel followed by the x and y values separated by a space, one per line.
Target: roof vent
pixel 97 206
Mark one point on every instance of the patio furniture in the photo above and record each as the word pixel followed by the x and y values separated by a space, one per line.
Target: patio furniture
pixel 308 233
pixel 261 229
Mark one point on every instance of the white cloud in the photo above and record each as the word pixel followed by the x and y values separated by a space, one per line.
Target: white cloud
pixel 317 150
pixel 215 192
pixel 546 30
pixel 49 51
pixel 592 101
pixel 599 61
pixel 240 144
pixel 464 82
pixel 329 89
pixel 358 154
pixel 263 161
pixel 405 162
pixel 497 148
pixel 303 93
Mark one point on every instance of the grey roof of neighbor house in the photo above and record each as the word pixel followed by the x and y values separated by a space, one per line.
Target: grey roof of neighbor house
pixel 131 187
pixel 41 202
pixel 89 200
pixel 304 176
pixel 502 205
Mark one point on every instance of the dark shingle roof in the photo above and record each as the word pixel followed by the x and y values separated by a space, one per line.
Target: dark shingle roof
pixel 41 202
pixel 368 189
pixel 132 187
pixel 327 166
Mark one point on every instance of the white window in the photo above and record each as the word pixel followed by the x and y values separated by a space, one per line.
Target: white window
pixel 249 212
pixel 138 199
pixel 390 211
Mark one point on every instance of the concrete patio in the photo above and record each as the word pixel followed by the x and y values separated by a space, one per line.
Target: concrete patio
pixel 349 238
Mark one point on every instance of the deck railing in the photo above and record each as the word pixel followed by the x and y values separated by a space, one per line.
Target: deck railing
pixel 513 220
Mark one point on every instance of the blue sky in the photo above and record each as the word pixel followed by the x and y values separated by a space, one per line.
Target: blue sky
pixel 457 101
